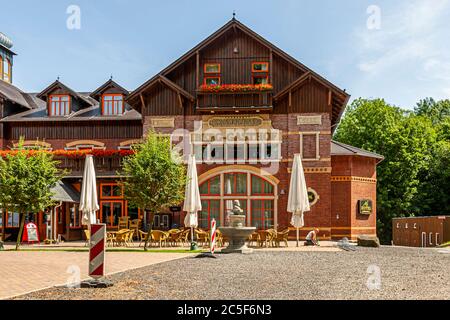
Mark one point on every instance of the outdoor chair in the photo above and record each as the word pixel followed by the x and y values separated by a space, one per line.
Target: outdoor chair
pixel 135 225
pixel 87 235
pixel 202 237
pixel 123 223
pixel 265 238
pixel 160 236
pixel 184 236
pixel 282 236
pixel 174 236
pixel 219 239
pixel 142 236
pixel 110 238
pixel 121 238
pixel 253 239
pixel 129 238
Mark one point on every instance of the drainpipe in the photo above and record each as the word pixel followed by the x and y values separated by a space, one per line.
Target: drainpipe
pixel 54 228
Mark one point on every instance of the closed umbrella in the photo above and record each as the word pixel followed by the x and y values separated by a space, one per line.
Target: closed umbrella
pixel 88 198
pixel 298 201
pixel 192 201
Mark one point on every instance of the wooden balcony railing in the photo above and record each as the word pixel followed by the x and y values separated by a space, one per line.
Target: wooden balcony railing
pixel 217 101
pixel 104 166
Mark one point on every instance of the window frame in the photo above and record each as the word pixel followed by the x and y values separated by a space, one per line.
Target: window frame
pixel 209 194
pixel 260 71
pixel 111 185
pixel 212 77
pixel 212 64
pixel 234 184
pixel 50 104
pixel 262 186
pixel 113 95
pixel 260 76
pixel 262 209
pixel 312 133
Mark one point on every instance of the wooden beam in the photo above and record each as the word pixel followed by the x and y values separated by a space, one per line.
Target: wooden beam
pixel 290 98
pixel 271 66
pixel 180 100
pixel 143 102
pixel 197 74
pixel 329 98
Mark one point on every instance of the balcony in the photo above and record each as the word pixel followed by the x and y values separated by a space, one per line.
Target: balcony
pixel 212 102
pixel 105 166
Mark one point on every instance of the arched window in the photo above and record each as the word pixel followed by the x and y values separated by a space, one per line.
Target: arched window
pixel 85 145
pixel 254 194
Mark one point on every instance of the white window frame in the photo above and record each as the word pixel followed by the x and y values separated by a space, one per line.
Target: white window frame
pixel 310 133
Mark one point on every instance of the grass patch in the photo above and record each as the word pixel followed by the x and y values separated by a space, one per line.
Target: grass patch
pixel 445 245
pixel 109 250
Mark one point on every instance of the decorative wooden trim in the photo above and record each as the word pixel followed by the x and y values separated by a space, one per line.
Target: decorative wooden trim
pixel 29 143
pixel 352 179
pixel 296 133
pixel 130 142
pixel 307 160
pixel 353 228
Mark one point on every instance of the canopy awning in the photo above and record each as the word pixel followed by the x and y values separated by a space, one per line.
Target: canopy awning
pixel 65 192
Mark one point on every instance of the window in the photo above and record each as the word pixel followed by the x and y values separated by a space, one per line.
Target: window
pixel 211 187
pixel 261 186
pixel 212 68
pixel 110 212
pixel 260 67
pixel 210 210
pixel 85 145
pixel 235 184
pixel 12 219
pixel 212 74
pixel 262 214
pixel 5 69
pixel 112 104
pixel 212 81
pixel 59 105
pixel 111 191
pixel 257 80
pixel 75 216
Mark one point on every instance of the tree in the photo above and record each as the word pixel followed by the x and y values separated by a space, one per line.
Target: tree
pixel 26 180
pixel 404 139
pixel 436 111
pixel 154 177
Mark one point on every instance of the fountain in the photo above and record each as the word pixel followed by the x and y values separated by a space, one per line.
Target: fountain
pixel 237 232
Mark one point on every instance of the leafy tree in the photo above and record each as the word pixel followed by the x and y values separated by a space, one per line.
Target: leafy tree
pixel 26 180
pixel 155 177
pixel 436 111
pixel 404 140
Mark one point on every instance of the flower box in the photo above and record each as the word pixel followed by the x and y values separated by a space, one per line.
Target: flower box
pixel 236 88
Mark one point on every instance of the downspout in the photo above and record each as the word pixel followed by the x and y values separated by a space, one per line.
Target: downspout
pixel 54 228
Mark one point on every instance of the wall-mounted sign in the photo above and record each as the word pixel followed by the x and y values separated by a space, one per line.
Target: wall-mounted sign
pixel 175 209
pixel 309 120
pixel 235 122
pixel 163 122
pixel 365 207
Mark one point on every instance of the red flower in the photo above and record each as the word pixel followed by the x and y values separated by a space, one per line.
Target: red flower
pixel 236 88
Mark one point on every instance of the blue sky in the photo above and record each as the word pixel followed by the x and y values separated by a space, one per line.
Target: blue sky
pixel 406 59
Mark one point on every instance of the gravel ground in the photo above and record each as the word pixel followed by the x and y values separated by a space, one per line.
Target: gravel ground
pixel 405 274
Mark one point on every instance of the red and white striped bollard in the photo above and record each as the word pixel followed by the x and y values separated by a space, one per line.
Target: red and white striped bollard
pixel 213 235
pixel 97 251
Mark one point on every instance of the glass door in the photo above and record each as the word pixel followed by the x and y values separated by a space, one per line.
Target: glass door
pixel 110 212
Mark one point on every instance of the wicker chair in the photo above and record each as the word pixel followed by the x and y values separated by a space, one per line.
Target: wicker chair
pixel 174 236
pixel 266 238
pixel 160 236
pixel 142 236
pixel 87 234
pixel 202 237
pixel 253 239
pixel 123 223
pixel 121 237
pixel 282 236
pixel 135 225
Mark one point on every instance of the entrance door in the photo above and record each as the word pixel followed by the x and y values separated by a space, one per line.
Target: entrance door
pixel 110 212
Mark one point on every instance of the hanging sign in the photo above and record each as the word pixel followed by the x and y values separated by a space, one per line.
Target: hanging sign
pixel 30 233
pixel 365 207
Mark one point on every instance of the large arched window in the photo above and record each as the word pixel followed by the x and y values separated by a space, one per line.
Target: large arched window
pixel 255 194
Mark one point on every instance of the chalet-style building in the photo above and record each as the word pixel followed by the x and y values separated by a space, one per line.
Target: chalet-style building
pixel 240 104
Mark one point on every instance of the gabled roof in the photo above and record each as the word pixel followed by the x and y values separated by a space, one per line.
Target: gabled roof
pixel 15 95
pixel 107 85
pixel 58 84
pixel 342 149
pixel 64 192
pixel 340 97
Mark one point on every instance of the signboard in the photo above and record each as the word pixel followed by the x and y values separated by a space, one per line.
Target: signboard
pixel 175 209
pixel 365 207
pixel 309 120
pixel 30 233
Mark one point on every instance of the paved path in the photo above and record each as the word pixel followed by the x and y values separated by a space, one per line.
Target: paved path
pixel 24 272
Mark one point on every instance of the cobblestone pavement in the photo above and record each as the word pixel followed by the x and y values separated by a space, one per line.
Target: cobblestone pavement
pixel 27 271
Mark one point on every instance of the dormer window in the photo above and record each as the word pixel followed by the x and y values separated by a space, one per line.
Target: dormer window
pixel 59 105
pixel 112 104
pixel 5 69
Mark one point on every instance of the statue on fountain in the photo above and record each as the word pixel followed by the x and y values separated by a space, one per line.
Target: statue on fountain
pixel 237 210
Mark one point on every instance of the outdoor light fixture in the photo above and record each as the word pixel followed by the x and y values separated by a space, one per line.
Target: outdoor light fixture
pixel 236 50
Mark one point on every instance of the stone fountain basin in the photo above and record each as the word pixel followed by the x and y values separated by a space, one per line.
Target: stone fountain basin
pixel 238 239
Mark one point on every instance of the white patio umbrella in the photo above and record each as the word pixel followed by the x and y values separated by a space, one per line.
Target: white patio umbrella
pixel 192 201
pixel 228 203
pixel 298 202
pixel 88 198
